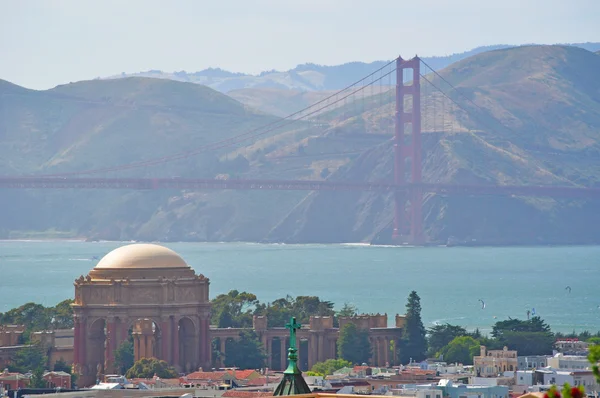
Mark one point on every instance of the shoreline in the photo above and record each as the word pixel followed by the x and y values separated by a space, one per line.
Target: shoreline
pixel 348 244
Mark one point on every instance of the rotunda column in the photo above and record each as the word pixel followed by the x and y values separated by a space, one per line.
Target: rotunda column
pixel 175 321
pixel 165 336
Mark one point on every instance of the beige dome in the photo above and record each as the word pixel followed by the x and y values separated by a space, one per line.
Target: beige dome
pixel 141 260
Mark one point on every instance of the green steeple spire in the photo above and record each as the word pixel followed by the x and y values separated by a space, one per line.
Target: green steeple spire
pixel 292 383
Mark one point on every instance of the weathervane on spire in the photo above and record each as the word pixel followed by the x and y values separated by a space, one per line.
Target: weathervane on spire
pixel 292 326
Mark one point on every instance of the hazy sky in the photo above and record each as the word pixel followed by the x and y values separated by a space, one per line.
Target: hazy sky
pixel 44 43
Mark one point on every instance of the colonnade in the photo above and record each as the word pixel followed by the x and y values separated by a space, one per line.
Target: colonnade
pixel 314 346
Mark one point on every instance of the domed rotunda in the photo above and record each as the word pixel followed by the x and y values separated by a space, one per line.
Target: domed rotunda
pixel 149 291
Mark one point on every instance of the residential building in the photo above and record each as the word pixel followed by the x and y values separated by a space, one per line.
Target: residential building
pixel 532 362
pixel 452 390
pixel 525 377
pixel 57 379
pixel 232 377
pixel 570 362
pixel 13 381
pixel 572 347
pixel 494 362
pixel 583 378
pixel 424 391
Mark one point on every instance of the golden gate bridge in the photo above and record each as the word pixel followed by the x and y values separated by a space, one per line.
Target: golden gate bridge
pixel 407 185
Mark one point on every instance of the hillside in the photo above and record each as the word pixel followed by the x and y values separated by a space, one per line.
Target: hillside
pixel 533 118
pixel 95 124
pixel 309 76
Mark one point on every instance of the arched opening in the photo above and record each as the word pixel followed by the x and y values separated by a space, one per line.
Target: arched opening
pixel 187 345
pixel 146 339
pixel 96 348
pixel 229 347
pixel 217 354
pixel 303 355
pixel 276 362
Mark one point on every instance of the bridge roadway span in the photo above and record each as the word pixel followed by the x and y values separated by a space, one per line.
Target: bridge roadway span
pixel 299 185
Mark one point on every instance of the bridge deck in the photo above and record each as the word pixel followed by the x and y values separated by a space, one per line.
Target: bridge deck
pixel 302 185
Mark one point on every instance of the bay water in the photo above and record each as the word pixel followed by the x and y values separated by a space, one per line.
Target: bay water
pixel 450 281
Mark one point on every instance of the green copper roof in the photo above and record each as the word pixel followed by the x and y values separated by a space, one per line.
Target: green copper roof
pixel 292 383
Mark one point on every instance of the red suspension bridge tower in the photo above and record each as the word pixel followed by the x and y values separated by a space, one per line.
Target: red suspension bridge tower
pixel 408 214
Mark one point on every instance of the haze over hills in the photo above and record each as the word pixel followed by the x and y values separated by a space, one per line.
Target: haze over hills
pixel 532 117
pixel 310 77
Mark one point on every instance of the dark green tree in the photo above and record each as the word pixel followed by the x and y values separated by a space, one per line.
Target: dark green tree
pixel 225 320
pixel 246 353
pixel 305 306
pixel 124 357
pixel 529 337
pixel 61 366
pixel 413 344
pixel 476 334
pixel 235 308
pixel 353 344
pixel 62 313
pixel 37 379
pixel 441 335
pixel 33 316
pixel 146 368
pixel 347 310
pixel 461 349
pixel 535 324
pixel 29 358
pixel 302 308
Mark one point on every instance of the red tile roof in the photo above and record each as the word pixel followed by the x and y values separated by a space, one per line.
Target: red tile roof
pixel 261 381
pixel 246 394
pixel 243 374
pixel 207 375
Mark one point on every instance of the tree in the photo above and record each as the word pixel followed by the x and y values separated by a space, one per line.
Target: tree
pixel 413 344
pixel 146 368
pixel 36 317
pixel 29 358
pixel 530 337
pixel 461 349
pixel 61 366
pixel 246 353
pixel 594 358
pixel 62 313
pixel 441 335
pixel 37 378
pixel 535 324
pixel 33 316
pixel 302 308
pixel 594 340
pixel 124 357
pixel 347 310
pixel 353 344
pixel 225 320
pixel 330 366
pixel 234 309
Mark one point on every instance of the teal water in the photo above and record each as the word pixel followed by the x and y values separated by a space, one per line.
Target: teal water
pixel 450 281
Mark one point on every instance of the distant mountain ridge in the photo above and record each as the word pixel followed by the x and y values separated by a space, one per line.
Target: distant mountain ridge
pixel 527 116
pixel 309 76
